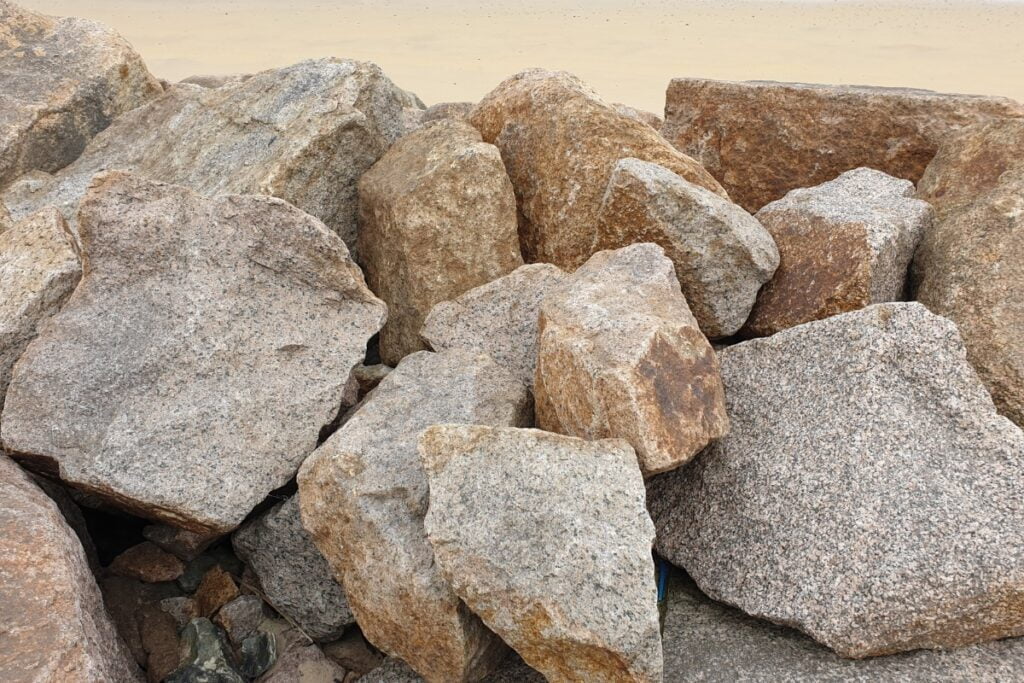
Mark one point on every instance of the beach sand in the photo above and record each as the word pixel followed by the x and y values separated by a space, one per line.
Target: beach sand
pixel 448 50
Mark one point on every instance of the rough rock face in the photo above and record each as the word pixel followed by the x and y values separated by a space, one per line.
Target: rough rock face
pixel 650 118
pixel 394 670
pixel 707 641
pixel 39 268
pixel 620 355
pixel 62 80
pixel 55 626
pixel 215 80
pixel 547 538
pixel 560 142
pixel 363 496
pixel 969 268
pixel 438 218
pixel 304 133
pixel 894 525
pixel 499 319
pixel 761 139
pixel 447 110
pixel 294 575
pixel 721 253
pixel 5 219
pixel 844 245
pixel 207 344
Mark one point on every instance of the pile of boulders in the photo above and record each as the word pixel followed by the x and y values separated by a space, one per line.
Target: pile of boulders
pixel 302 380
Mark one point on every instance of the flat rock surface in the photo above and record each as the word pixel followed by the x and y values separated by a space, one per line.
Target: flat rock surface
pixel 547 538
pixel 55 627
pixel 295 577
pixel 722 254
pixel 363 496
pixel 304 133
pixel 499 318
pixel 560 141
pixel 438 217
pixel 62 80
pixel 867 492
pixel 761 139
pixel 190 373
pixel 621 356
pixel 844 245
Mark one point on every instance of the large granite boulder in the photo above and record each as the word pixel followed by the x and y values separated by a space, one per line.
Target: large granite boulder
pixel 294 576
pixel 547 538
pixel 722 254
pixel 843 245
pixel 560 142
pixel 39 268
pixel 55 627
pixel 192 369
pixel 867 492
pixel 621 356
pixel 438 217
pixel 363 496
pixel 304 133
pixel 62 81
pixel 499 319
pixel 761 139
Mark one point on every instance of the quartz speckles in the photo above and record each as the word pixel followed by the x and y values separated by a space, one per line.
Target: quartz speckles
pixel 207 344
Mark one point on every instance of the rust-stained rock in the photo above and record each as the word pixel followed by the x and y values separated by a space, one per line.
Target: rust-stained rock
pixel 215 590
pixel 147 562
pixel 62 81
pixel 438 217
pixel 55 627
pixel 560 142
pixel 621 356
pixel 722 254
pixel 843 245
pixel 363 495
pixel 761 139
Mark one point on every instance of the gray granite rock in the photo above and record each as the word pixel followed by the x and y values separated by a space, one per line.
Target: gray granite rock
pixel 62 80
pixel 867 492
pixel 547 538
pixel 215 80
pixel 499 318
pixel 620 355
pixel 39 268
pixel 722 254
pixel 709 642
pixel 295 577
pixel 190 373
pixel 844 245
pixel 304 133
pixel 363 495
pixel 240 618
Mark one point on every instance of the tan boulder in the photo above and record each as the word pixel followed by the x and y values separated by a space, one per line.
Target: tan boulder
pixel 844 245
pixel 560 142
pixel 55 627
pixel 761 139
pixel 621 356
pixel 62 81
pixel 650 118
pixel 363 496
pixel 438 217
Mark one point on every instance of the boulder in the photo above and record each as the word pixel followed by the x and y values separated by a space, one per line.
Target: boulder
pixel 867 492
pixel 447 110
pixel 548 540
pixel 438 217
pixel 843 245
pixel 295 577
pixel 304 133
pixel 650 118
pixel 499 319
pixel 363 496
pixel 708 641
pixel 621 356
pixel 560 142
pixel 62 81
pixel 39 268
pixel 147 562
pixel 207 344
pixel 722 254
pixel 55 627
pixel 761 139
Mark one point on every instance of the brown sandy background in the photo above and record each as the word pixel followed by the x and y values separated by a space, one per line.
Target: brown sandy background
pixel 450 50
